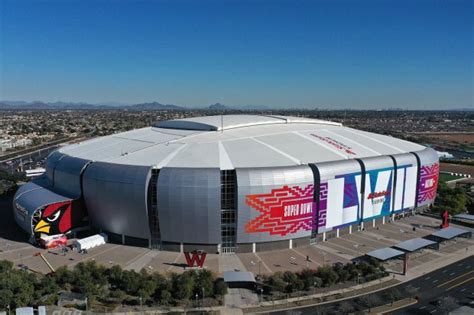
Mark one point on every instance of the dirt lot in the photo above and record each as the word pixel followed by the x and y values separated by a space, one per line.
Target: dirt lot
pixel 465 138
pixel 456 168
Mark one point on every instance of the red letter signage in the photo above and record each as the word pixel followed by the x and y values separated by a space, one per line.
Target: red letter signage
pixel 195 258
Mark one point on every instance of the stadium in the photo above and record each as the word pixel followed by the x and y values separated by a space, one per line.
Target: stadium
pixel 232 183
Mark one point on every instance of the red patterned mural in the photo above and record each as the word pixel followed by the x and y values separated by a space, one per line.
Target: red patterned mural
pixel 283 211
pixel 428 183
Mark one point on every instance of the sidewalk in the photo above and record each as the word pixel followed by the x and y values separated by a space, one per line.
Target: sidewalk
pixel 393 307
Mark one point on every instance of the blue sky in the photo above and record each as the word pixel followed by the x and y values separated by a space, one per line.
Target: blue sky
pixel 327 54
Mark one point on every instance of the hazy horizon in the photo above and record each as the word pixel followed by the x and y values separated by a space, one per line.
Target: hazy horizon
pixel 281 54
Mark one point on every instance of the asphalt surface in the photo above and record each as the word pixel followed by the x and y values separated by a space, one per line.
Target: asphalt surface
pixel 455 280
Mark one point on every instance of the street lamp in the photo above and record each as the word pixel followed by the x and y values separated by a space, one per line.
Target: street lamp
pixel 197 303
pixel 202 297
pixel 356 246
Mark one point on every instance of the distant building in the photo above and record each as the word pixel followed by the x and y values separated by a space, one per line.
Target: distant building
pixel 7 144
pixel 444 155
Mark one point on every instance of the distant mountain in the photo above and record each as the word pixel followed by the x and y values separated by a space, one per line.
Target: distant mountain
pixel 218 106
pixel 43 105
pixel 254 107
pixel 153 106
pixel 71 105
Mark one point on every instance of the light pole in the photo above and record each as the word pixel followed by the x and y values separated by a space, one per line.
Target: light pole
pixel 356 246
pixel 197 303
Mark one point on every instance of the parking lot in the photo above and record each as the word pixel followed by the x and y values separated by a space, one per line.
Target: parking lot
pixel 14 247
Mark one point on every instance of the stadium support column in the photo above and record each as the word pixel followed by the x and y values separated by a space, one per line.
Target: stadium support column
pixel 317 187
pixel 418 162
pixel 362 192
pixel 394 185
pixel 228 211
pixel 153 221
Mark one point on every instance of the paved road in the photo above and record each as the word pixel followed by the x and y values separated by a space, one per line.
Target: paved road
pixel 455 280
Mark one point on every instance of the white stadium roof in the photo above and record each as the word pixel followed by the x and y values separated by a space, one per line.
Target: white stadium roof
pixel 237 141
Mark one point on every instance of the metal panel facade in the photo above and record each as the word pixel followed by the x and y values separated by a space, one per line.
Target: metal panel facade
pixel 428 179
pixel 116 198
pixel 274 203
pixel 67 176
pixel 51 162
pixel 189 205
pixel 404 195
pixel 339 197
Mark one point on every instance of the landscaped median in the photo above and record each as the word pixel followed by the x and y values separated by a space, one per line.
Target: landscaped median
pixel 324 297
pixel 383 309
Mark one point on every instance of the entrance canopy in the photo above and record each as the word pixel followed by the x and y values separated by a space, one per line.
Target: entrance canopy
pixel 238 276
pixel 467 217
pixel 415 244
pixel 239 279
pixel 385 253
pixel 451 232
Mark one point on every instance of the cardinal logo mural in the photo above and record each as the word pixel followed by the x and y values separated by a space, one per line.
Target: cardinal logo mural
pixel 54 219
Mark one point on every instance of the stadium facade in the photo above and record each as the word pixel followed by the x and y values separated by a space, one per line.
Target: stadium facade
pixel 228 183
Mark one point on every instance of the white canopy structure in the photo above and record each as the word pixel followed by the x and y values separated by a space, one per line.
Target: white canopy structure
pixel 91 241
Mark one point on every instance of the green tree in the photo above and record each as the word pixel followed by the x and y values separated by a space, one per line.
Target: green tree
pixel 307 277
pixel 293 282
pixel 204 283
pixel 452 199
pixel 6 298
pixel 275 282
pixel 183 285
pixel 328 275
pixel 220 288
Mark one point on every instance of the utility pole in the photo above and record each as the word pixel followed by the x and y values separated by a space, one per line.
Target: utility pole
pixel 222 123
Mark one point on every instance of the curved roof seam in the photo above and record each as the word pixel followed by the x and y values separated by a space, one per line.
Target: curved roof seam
pixel 375 140
pixel 288 156
pixel 321 144
pixel 350 140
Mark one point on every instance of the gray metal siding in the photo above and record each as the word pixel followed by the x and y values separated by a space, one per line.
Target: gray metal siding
pixel 265 194
pixel 51 163
pixel 67 176
pixel 116 198
pixel 189 205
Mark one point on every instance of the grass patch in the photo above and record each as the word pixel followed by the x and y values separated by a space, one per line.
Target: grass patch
pixel 443 177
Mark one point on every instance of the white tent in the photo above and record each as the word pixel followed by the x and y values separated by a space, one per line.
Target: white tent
pixel 91 241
